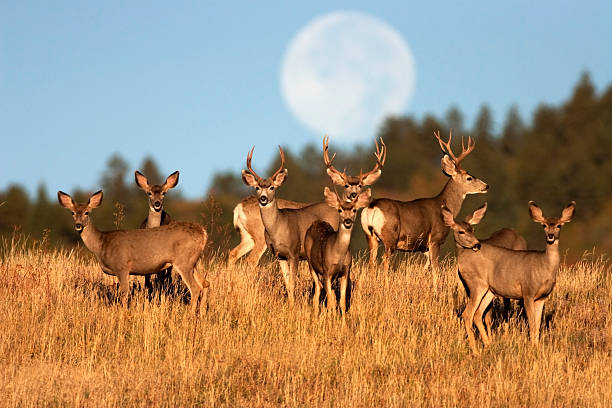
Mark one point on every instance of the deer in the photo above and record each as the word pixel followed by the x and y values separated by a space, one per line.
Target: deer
pixel 327 250
pixel 487 270
pixel 416 226
pixel 247 218
pixel 504 238
pixel 285 228
pixel 156 217
pixel 122 253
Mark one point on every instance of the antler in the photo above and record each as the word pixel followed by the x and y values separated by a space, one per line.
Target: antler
pixel 282 164
pixel 446 147
pixel 381 156
pixel 328 161
pixel 248 163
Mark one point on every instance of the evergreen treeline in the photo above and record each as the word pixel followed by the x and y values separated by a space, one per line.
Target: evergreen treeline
pixel 563 154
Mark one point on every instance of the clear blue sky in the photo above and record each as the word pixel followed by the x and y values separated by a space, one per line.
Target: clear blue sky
pixel 195 84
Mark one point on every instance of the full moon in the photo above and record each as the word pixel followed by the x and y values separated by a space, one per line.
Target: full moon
pixel 344 72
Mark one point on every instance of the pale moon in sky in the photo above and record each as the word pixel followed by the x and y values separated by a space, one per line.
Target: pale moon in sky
pixel 344 72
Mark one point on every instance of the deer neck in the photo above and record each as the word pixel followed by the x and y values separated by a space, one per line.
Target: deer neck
pixel 92 238
pixel 269 214
pixel 343 240
pixel 452 196
pixel 154 218
pixel 552 253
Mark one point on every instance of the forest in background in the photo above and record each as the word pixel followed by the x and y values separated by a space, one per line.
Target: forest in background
pixel 563 153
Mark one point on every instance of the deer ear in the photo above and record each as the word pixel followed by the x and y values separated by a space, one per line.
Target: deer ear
pixel 448 166
pixel 95 200
pixel 568 213
pixel 65 200
pixel 279 178
pixel 172 180
pixel 447 216
pixel 141 180
pixel 363 199
pixel 536 213
pixel 477 215
pixel 331 198
pixel 371 178
pixel 249 179
pixel 336 178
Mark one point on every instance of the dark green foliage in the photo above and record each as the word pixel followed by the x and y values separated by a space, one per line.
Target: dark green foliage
pixel 564 154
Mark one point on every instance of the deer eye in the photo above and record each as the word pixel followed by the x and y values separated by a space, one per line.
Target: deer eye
pixel 72 212
pixel 543 225
pixel 339 211
pixel 461 232
pixel 150 194
pixel 469 178
pixel 346 186
pixel 354 210
pixel 559 226
pixel 163 193
pixel 257 188
pixel 86 213
pixel 360 186
pixel 272 188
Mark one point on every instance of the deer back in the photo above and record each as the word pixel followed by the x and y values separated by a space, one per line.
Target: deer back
pixel 507 238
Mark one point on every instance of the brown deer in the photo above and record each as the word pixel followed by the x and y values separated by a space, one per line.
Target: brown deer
pixel 247 218
pixel 416 226
pixel 285 228
pixel 505 238
pixel 142 251
pixel 487 271
pixel 156 217
pixel 327 250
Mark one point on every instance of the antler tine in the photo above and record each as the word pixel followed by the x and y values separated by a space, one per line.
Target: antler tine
pixel 465 151
pixel 248 163
pixel 446 146
pixel 328 161
pixel 381 155
pixel 282 164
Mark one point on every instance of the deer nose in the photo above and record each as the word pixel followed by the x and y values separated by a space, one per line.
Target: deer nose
pixel 157 204
pixel 477 246
pixel 486 187
pixel 348 223
pixel 551 236
pixel 78 227
pixel 263 200
pixel 353 195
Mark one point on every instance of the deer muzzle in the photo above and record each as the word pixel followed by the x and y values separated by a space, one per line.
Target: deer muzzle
pixel 348 223
pixel 78 227
pixel 263 201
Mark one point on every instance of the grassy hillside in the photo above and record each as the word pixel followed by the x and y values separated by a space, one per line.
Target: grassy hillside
pixel 63 341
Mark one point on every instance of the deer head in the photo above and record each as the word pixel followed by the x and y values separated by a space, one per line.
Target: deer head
pixel 451 165
pixel 156 192
pixel 464 230
pixel 552 226
pixel 347 211
pixel 265 187
pixel 354 184
pixel 80 212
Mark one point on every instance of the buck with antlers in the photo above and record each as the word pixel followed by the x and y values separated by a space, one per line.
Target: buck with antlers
pixel 247 218
pixel 142 251
pixel 417 226
pixel 285 228
pixel 157 216
pixel 487 270
pixel 327 250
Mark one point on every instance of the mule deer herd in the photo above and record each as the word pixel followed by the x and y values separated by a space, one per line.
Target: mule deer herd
pixel 320 233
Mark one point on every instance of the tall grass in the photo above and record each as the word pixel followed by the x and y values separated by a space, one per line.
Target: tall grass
pixel 65 341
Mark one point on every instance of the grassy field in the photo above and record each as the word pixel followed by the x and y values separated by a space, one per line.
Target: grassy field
pixel 64 342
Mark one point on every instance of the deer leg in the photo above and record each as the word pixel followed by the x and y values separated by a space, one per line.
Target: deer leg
pixel 387 258
pixel 245 245
pixel 316 298
pixel 530 311
pixel 124 284
pixel 434 250
pixel 427 262
pixel 488 318
pixel 331 296
pixel 344 279
pixel 192 284
pixel 256 253
pixel 286 267
pixel 482 308
pixel 373 246
pixel 539 308
pixel 149 285
pixel 468 315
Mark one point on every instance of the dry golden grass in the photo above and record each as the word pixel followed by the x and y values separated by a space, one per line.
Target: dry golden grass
pixel 63 342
